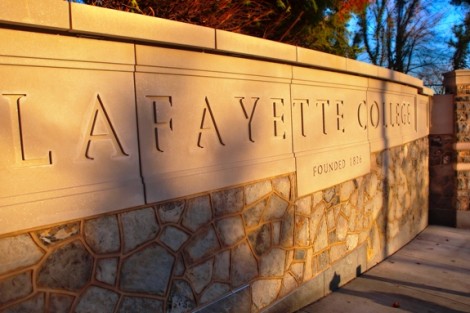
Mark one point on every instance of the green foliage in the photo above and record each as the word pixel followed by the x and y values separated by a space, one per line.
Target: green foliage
pixel 316 24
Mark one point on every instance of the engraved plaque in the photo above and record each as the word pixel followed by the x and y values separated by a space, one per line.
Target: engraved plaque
pixel 330 121
pixel 68 139
pixel 202 130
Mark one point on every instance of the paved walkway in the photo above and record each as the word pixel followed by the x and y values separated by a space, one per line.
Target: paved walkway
pixel 430 274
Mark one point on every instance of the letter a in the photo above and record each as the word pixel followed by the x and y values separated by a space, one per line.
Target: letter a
pixel 99 112
pixel 205 128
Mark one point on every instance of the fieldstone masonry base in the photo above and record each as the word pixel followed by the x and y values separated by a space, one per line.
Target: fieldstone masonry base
pixel 249 248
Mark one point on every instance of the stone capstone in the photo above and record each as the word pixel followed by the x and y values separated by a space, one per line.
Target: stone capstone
pixel 138 227
pixel 227 201
pixel 181 298
pixel 173 237
pixel 15 287
pixel 97 299
pixel 102 234
pixel 141 305
pixel 17 252
pixel 197 213
pixel 147 270
pixel 68 267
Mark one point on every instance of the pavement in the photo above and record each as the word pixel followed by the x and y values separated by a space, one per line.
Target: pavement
pixel 430 274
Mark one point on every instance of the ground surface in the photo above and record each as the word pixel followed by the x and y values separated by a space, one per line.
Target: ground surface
pixel 430 274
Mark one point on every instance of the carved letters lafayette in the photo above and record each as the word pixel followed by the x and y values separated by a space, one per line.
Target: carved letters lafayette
pixel 334 120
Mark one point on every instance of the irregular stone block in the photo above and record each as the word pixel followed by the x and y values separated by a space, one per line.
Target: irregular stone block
pixel 171 212
pixel 173 237
pixel 287 229
pixel 346 190
pixel 272 263
pixel 147 271
pixel 181 298
pixel 222 266
pixel 227 201
pixel 341 228
pixel 68 267
pixel 252 215
pixel 260 239
pixel 102 234
pixel 239 301
pixel 214 291
pixel 264 292
pixel 282 185
pixel 276 229
pixel 202 245
pixel 15 287
pixel 106 270
pixel 138 226
pixel 60 303
pixel 17 252
pixel 302 231
pixel 198 213
pixel 304 206
pixel 244 265
pixel 32 305
pixel 57 234
pixel 200 275
pixel 141 305
pixel 288 284
pixel 275 209
pixel 297 269
pixel 97 299
pixel 257 191
pixel 321 241
pixel 230 230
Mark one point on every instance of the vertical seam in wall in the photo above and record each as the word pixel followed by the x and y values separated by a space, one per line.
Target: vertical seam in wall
pixel 70 16
pixel 139 152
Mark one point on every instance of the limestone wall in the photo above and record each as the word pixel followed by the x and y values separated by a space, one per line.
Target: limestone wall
pixel 151 165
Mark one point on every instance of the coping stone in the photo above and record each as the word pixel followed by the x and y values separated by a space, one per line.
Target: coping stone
pixel 50 14
pixel 100 21
pixel 321 59
pixel 249 45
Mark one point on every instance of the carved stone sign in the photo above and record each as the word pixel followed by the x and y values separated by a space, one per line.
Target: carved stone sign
pixel 68 138
pixel 84 132
pixel 330 121
pixel 203 129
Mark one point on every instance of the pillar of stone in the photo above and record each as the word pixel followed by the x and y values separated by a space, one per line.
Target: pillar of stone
pixel 450 152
